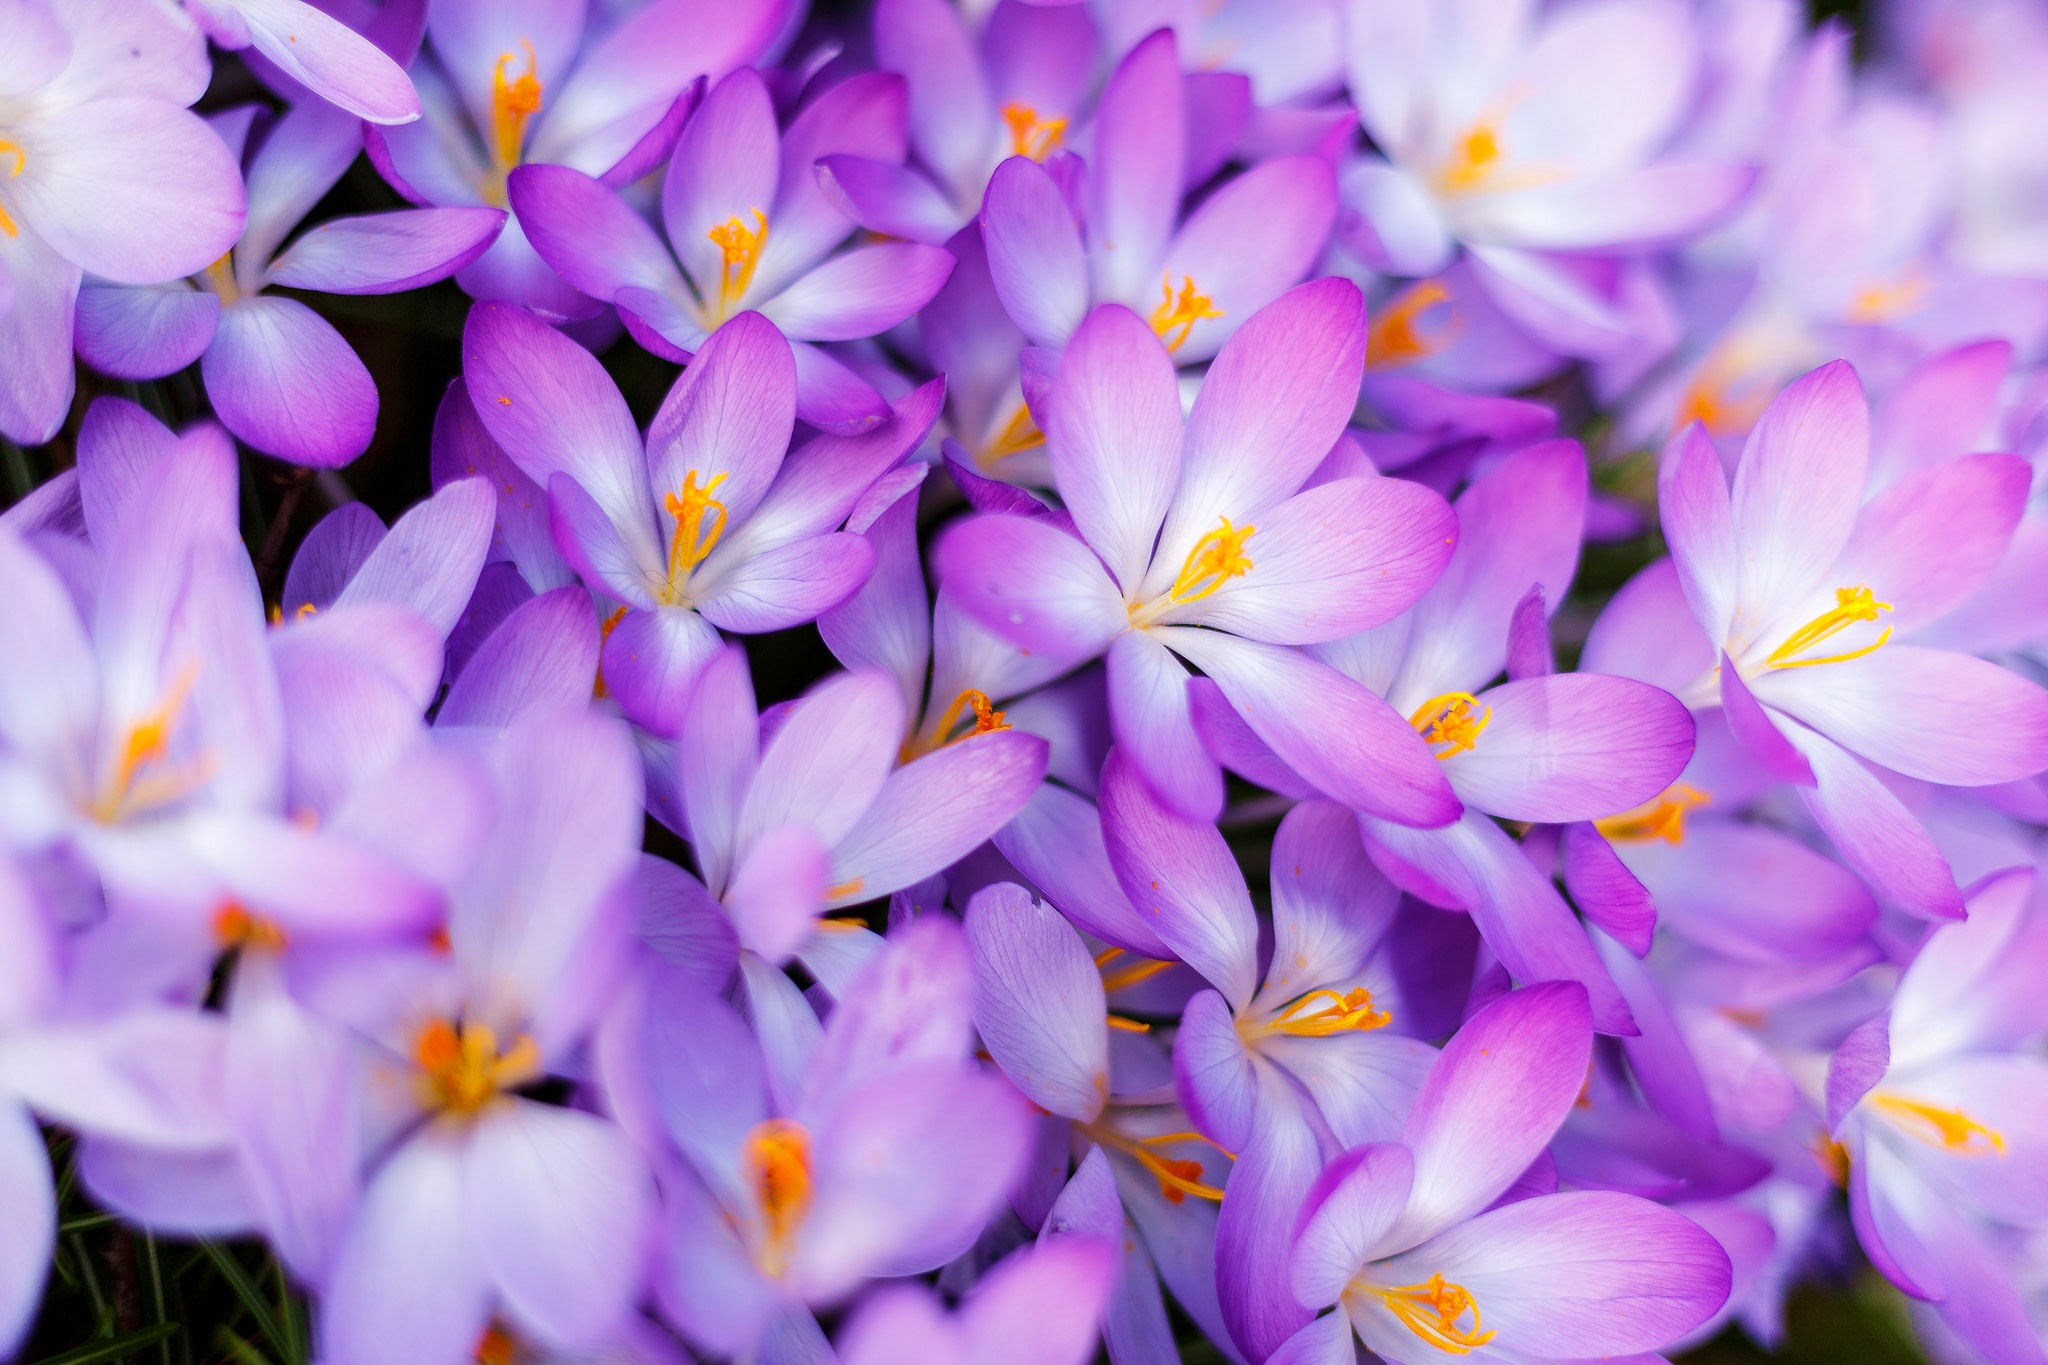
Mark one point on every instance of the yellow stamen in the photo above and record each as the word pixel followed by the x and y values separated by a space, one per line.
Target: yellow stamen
pixel 604 632
pixel 462 1069
pixel 1852 605
pixel 146 746
pixel 1454 719
pixel 1019 434
pixel 694 539
pixel 1474 159
pixel 1142 970
pixel 778 1159
pixel 1952 1128
pixel 1394 339
pixel 1216 559
pixel 235 926
pixel 495 1347
pixel 220 278
pixel 1888 301
pixel 1030 135
pixel 1320 1014
pixel 1833 1158
pixel 1663 818
pixel 1123 1025
pixel 1178 1177
pixel 839 891
pixel 742 246
pixel 14 150
pixel 1182 310
pixel 513 105
pixel 1432 1311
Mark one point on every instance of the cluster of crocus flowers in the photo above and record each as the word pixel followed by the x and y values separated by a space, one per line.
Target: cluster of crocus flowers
pixel 1036 709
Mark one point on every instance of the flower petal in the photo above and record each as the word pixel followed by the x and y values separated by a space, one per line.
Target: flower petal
pixel 1038 1002
pixel 281 378
pixel 1572 746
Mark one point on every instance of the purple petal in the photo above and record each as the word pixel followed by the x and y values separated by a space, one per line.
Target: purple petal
pixel 1034 252
pixel 1604 888
pixel 725 167
pixel 118 445
pixel 717 760
pixel 1056 841
pixel 1213 1073
pixel 1757 732
pixel 1042 1306
pixel 1149 715
pixel 951 110
pixel 591 237
pixel 1286 207
pixel 25 1252
pixel 1330 905
pixel 282 379
pixel 544 654
pixel 35 335
pixel 1354 1204
pixel 386 253
pixel 144 333
pixel 729 417
pixel 788 585
pixel 1751 892
pixel 1699 524
pixel 1136 167
pixel 826 765
pixel 1799 485
pixel 885 198
pixel 1529 638
pixel 651 659
pixel 863 115
pixel 1572 746
pixel 330 59
pixel 1937 534
pixel 861 293
pixel 1036 586
pixel 1274 1172
pixel 430 559
pixel 1858 1064
pixel 1038 1002
pixel 935 811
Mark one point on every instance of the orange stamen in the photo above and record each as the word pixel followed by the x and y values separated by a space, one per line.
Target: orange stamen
pixel 14 150
pixel 1178 1177
pixel 462 1069
pixel 1663 818
pixel 495 1347
pixel 1019 434
pixel 1031 136
pixel 700 521
pixel 1323 1013
pixel 1182 310
pixel 742 247
pixel 1454 719
pixel 1432 1311
pixel 1474 159
pixel 235 926
pixel 778 1160
pixel 1394 338
pixel 1852 605
pixel 513 105
pixel 604 632
pixel 1952 1128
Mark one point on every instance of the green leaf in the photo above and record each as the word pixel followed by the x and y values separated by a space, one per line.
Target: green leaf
pixel 119 1348
pixel 246 1290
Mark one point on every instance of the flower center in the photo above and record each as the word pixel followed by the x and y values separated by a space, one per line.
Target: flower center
pixel 220 278
pixel 700 521
pixel 1454 720
pixel 513 105
pixel 1019 434
pixel 987 720
pixel 1320 1014
pixel 462 1068
pixel 1178 1177
pixel 1952 1128
pixel 1395 339
pixel 142 778
pixel 1474 159
pixel 12 149
pixel 236 926
pixel 1663 818
pixel 1182 310
pixel 778 1162
pixel 1030 135
pixel 742 247
pixel 1433 1310
pixel 1852 605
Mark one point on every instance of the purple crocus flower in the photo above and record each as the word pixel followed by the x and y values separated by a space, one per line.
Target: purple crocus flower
pixel 1519 135
pixel 1197 278
pixel 318 50
pixel 1196 539
pixel 886 1159
pixel 102 170
pixel 486 1202
pixel 513 83
pixel 1799 585
pixel 1540 747
pixel 1940 1108
pixel 278 375
pixel 748 228
pixel 1414 1243
pixel 1039 1306
pixel 705 524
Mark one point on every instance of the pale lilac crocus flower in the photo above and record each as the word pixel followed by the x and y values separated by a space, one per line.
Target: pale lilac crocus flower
pixel 526 81
pixel 279 376
pixel 747 227
pixel 1799 579
pixel 1522 135
pixel 102 170
pixel 1196 539
pixel 486 1203
pixel 1197 277
pixel 1412 1239
pixel 1941 1106
pixel 886 1160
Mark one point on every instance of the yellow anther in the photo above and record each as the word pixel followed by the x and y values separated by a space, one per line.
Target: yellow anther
pixel 1833 1158
pixel 138 779
pixel 462 1068
pixel 1030 135
pixel 1454 719
pixel 495 1347
pixel 513 105
pixel 1852 605
pixel 220 278
pixel 598 690
pixel 1663 818
pixel 1394 338
pixel 1182 310
pixel 1889 300
pixel 1474 159
pixel 235 926
pixel 1123 1025
pixel 1952 1128
pixel 1143 969
pixel 742 247
pixel 1178 1177
pixel 1433 1310
pixel 1321 1014
pixel 1019 434
pixel 12 149
pixel 778 1161
pixel 987 720
pixel 700 521
pixel 1217 558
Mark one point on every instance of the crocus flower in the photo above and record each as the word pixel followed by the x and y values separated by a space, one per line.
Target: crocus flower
pixel 1540 747
pixel 509 84
pixel 1519 134
pixel 702 525
pixel 1799 585
pixel 277 374
pixel 747 228
pixel 329 58
pixel 1197 278
pixel 886 1161
pixel 1406 1236
pixel 1245 567
pixel 1940 1108
pixel 1039 1306
pixel 487 1202
pixel 102 170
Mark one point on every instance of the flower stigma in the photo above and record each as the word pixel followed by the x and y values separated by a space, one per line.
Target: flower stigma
pixel 20 157
pixel 462 1068
pixel 1029 134
pixel 987 720
pixel 1178 1177
pixel 1454 719
pixel 1952 1128
pixel 236 926
pixel 1852 605
pixel 1432 1310
pixel 742 247
pixel 778 1161
pixel 1662 818
pixel 1144 969
pixel 700 522
pixel 1323 1014
pixel 513 105
pixel 1182 310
